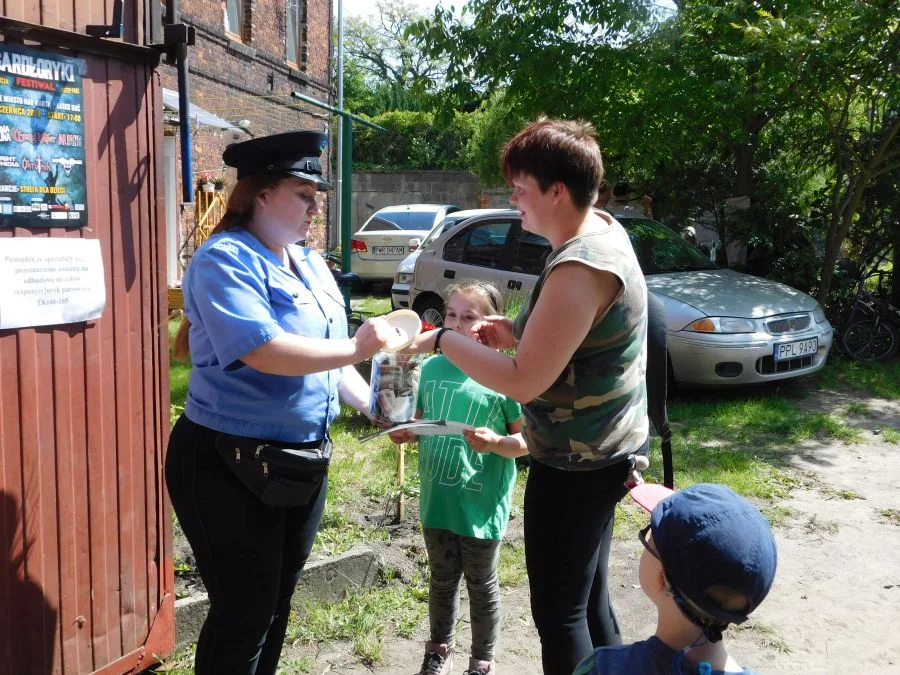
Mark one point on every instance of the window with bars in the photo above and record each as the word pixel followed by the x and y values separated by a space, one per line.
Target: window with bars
pixel 235 19
pixel 295 33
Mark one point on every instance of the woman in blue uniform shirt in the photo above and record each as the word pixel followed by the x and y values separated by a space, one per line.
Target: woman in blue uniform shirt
pixel 267 333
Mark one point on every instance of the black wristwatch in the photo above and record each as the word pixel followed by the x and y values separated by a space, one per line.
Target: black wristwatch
pixel 437 340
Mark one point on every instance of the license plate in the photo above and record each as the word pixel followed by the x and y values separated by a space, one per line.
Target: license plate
pixel 793 350
pixel 388 250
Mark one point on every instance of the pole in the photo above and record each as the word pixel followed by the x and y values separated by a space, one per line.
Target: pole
pixel 339 206
pixel 184 127
pixel 401 478
pixel 173 11
pixel 347 120
pixel 346 196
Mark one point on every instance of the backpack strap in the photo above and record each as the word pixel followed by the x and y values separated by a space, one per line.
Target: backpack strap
pixel 657 381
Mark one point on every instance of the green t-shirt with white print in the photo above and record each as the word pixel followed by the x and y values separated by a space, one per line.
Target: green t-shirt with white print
pixel 466 492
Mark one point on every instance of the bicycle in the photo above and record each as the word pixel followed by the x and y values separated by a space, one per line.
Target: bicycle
pixel 872 331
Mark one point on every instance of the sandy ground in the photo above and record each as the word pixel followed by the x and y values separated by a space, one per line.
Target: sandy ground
pixel 835 605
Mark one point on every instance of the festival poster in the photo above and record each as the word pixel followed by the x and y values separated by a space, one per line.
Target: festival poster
pixel 42 168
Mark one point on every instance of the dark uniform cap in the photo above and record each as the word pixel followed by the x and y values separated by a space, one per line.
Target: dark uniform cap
pixel 296 153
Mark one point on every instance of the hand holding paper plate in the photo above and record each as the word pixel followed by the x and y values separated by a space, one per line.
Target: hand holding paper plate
pixel 424 428
pixel 407 325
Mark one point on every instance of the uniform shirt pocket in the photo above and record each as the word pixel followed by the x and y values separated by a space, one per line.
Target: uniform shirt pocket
pixel 297 310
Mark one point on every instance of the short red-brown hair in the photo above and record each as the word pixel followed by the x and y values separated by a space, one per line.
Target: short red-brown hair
pixel 551 151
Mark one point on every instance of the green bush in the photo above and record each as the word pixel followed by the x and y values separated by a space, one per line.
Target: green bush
pixel 413 141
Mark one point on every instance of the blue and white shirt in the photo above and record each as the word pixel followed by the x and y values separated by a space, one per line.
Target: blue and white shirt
pixel 238 296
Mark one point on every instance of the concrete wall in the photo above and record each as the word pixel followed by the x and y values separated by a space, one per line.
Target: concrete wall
pixel 373 190
pixel 496 198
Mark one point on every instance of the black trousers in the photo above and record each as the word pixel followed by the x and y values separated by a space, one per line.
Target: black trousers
pixel 568 532
pixel 249 555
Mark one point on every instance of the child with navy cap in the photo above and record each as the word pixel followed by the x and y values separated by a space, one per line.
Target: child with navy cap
pixel 709 561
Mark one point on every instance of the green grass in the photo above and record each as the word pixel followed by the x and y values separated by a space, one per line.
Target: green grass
pixel 371 305
pixel 364 617
pixel 740 440
pixel 857 409
pixel 889 434
pixel 178 377
pixel 362 480
pixel 511 569
pixel 875 379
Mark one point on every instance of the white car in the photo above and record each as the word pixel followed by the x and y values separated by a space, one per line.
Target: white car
pixel 724 327
pixel 389 235
pixel 404 274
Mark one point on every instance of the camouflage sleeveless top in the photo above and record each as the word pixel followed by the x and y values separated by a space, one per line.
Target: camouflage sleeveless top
pixel 595 413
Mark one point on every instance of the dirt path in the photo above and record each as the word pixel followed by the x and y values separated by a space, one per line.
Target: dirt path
pixel 835 606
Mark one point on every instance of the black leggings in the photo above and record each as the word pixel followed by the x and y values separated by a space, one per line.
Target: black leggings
pixel 568 531
pixel 249 555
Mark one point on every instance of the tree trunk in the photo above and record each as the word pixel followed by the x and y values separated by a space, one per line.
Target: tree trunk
pixel 895 295
pixel 744 154
pixel 841 219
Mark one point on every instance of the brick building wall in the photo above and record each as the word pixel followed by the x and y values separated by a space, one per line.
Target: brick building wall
pixel 247 77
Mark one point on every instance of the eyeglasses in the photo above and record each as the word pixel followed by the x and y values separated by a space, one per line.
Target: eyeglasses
pixel 642 535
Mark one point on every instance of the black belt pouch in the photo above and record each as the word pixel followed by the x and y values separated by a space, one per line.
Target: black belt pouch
pixel 277 474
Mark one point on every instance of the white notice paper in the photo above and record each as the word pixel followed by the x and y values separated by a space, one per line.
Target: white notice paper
pixel 47 281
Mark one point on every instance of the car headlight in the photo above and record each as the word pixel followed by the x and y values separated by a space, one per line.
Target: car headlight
pixel 722 324
pixel 819 314
pixel 404 278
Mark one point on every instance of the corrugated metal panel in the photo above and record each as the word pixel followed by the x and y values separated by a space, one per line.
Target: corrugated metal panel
pixel 85 531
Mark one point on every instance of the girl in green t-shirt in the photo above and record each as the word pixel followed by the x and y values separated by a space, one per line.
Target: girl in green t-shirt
pixel 466 489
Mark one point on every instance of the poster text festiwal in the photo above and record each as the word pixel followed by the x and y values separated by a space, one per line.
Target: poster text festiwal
pixel 42 171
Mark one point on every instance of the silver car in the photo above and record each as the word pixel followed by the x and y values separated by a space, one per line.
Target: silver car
pixel 403 276
pixel 724 327
pixel 389 235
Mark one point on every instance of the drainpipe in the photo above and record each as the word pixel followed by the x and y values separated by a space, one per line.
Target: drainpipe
pixel 180 57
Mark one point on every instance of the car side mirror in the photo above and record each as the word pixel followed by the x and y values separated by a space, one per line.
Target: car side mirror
pixel 414 244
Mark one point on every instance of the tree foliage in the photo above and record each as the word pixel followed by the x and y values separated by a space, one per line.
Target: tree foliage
pixel 847 89
pixel 784 103
pixel 384 67
pixel 412 141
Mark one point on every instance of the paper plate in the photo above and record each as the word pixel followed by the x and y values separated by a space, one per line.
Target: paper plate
pixel 407 324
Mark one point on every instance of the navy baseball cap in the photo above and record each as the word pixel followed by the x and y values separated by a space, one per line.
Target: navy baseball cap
pixel 708 536
pixel 296 153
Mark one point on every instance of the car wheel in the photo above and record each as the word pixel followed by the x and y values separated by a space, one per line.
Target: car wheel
pixel 868 340
pixel 431 310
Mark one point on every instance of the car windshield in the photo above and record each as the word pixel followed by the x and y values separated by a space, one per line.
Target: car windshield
pixel 401 220
pixel 440 228
pixel 659 250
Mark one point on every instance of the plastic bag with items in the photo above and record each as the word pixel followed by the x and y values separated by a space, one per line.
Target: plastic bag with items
pixel 394 386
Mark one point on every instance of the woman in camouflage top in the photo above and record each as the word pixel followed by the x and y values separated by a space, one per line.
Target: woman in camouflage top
pixel 578 370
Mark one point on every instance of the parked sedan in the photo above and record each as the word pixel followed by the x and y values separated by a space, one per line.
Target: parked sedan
pixel 403 276
pixel 724 327
pixel 389 235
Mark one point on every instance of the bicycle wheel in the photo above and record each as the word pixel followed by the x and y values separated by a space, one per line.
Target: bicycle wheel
pixel 353 324
pixel 869 340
